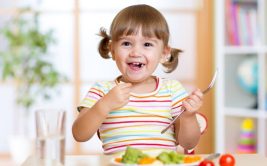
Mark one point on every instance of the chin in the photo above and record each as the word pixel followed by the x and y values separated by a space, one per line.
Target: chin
pixel 137 79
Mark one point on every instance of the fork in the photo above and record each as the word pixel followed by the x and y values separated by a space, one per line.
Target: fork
pixel 212 156
pixel 203 91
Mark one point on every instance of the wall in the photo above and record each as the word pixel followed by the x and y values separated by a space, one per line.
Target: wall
pixel 75 25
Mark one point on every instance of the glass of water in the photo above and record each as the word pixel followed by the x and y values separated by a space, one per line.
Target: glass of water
pixel 50 136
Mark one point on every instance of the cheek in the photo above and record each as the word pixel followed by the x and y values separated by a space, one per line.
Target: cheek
pixel 155 58
pixel 153 63
pixel 120 61
pixel 115 55
pixel 119 53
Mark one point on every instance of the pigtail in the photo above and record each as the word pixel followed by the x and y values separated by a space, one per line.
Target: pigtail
pixel 171 62
pixel 103 47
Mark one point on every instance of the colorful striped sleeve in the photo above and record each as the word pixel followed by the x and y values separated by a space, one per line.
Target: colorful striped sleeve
pixel 96 92
pixel 178 93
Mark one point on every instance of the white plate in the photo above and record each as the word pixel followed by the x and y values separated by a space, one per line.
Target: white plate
pixel 156 163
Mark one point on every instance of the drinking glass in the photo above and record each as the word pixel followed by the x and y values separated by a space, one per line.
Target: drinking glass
pixel 50 136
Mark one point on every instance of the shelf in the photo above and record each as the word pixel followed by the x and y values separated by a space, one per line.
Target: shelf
pixel 241 112
pixel 233 133
pixel 235 94
pixel 239 50
pixel 245 113
pixel 241 53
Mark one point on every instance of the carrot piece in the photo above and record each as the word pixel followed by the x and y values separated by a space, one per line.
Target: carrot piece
pixel 146 160
pixel 118 159
pixel 191 159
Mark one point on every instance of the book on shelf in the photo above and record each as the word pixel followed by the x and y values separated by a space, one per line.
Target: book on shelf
pixel 241 22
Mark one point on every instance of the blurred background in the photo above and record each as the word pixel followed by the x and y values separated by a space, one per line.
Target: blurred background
pixel 49 59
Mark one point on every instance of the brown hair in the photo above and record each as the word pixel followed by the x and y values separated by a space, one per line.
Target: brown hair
pixel 129 20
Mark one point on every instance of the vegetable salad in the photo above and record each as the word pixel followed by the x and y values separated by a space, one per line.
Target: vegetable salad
pixel 136 156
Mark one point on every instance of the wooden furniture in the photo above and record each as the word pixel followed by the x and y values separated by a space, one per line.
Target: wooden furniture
pixel 204 70
pixel 240 35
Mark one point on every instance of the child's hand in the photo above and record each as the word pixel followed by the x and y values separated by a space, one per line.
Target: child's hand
pixel 193 102
pixel 118 96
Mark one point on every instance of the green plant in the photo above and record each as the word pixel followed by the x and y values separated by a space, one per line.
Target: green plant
pixel 25 58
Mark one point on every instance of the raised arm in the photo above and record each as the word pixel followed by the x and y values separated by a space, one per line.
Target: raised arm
pixel 90 119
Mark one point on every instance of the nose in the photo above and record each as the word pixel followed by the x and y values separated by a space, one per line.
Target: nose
pixel 136 51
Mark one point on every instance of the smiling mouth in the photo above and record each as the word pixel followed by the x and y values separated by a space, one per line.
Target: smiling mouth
pixel 136 65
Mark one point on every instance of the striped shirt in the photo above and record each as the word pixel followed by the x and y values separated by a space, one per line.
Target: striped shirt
pixel 139 123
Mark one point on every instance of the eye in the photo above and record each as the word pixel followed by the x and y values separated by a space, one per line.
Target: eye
pixel 148 44
pixel 126 43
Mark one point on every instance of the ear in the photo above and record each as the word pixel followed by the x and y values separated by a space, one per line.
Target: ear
pixel 165 54
pixel 111 48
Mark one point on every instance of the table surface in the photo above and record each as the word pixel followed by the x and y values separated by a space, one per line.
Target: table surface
pixel 104 160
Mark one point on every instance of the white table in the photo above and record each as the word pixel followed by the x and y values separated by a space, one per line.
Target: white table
pixel 103 160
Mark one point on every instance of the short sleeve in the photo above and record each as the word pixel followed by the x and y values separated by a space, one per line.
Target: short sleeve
pixel 96 92
pixel 178 94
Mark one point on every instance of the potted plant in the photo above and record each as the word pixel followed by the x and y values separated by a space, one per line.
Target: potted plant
pixel 26 62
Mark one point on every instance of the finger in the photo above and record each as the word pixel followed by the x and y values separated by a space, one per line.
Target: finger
pixel 198 97
pixel 126 89
pixel 125 85
pixel 194 102
pixel 187 105
pixel 195 98
pixel 198 93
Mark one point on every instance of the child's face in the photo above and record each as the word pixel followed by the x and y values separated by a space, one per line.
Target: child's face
pixel 137 57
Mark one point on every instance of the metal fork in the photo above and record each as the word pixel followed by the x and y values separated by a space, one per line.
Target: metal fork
pixel 212 156
pixel 204 92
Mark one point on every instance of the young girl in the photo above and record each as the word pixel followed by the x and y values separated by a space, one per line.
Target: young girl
pixel 133 109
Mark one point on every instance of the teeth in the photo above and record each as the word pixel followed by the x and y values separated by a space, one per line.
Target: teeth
pixel 138 64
